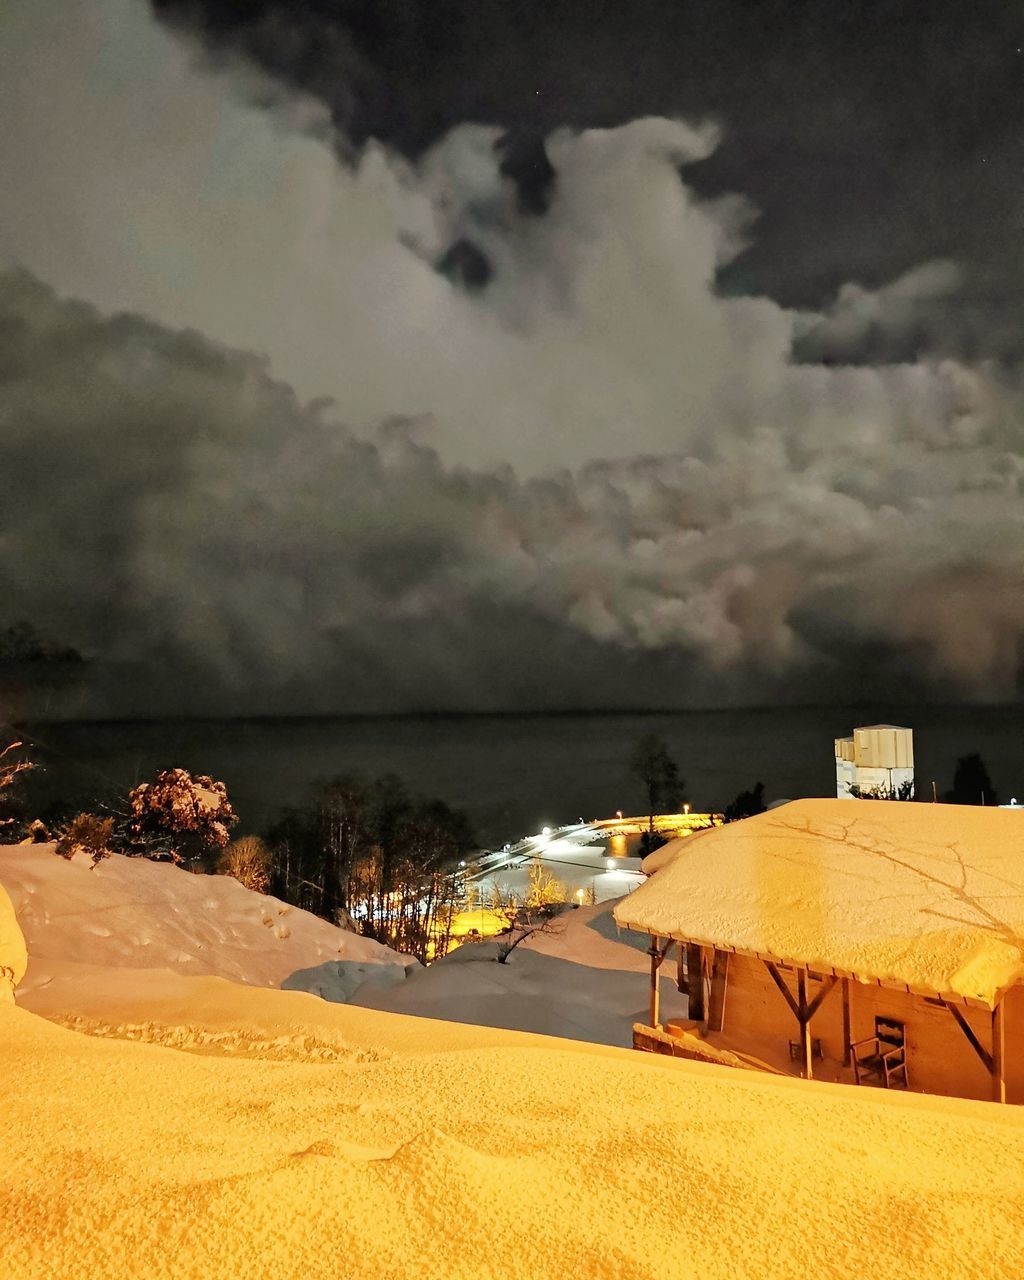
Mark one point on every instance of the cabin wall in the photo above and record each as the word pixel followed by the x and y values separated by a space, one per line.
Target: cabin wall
pixel 939 1057
pixel 1013 1033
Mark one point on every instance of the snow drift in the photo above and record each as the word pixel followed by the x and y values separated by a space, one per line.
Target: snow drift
pixel 375 1145
pixel 13 955
pixel 584 981
pixel 190 1126
pixel 137 914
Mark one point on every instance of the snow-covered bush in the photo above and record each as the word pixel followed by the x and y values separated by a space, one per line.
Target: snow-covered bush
pixel 187 817
pixel 87 834
pixel 248 860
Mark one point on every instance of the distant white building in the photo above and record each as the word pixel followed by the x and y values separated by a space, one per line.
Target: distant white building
pixel 876 761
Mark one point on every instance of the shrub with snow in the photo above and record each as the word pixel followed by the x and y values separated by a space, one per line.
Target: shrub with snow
pixel 87 834
pixel 181 815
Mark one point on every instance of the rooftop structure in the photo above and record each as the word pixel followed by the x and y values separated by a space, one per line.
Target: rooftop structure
pixel 922 903
pixel 876 762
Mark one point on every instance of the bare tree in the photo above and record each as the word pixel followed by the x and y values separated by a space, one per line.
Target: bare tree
pixel 248 861
pixel 534 910
pixel 651 763
pixel 10 770
pixel 392 861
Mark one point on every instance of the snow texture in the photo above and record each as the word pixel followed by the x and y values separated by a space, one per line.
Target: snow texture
pixel 134 913
pixel 205 1130
pixel 926 896
pixel 582 981
pixel 13 955
pixel 187 1127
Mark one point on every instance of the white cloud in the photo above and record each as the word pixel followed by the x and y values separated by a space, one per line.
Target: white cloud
pixel 139 180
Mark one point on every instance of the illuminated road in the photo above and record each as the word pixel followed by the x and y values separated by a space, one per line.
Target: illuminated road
pixel 588 841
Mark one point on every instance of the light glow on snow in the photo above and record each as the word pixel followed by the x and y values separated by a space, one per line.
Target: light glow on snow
pixel 188 1127
pixel 926 896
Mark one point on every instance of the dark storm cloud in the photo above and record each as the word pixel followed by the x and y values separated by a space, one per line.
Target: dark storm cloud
pixel 215 545
pixel 873 136
pixel 930 311
pixel 589 477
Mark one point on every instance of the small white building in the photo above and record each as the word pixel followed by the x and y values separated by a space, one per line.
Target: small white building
pixel 876 762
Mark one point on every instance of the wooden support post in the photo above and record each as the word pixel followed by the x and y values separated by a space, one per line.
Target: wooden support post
pixel 805 1023
pixel 802 1009
pixel 719 980
pixel 847 1023
pixel 680 967
pixel 656 958
pixel 694 984
pixel 998 1055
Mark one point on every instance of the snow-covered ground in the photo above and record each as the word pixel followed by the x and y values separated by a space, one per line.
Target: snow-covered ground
pixel 137 914
pixel 586 980
pixel 205 1129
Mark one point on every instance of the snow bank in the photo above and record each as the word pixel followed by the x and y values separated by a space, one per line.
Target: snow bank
pixel 927 896
pixel 404 1148
pixel 13 955
pixel 584 980
pixel 134 913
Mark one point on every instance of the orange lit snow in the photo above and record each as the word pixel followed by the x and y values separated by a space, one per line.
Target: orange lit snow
pixel 928 896
pixel 191 1127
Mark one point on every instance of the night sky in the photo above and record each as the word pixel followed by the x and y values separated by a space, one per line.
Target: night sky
pixel 387 356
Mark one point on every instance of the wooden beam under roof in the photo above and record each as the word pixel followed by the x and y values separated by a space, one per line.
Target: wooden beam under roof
pixel 971 1002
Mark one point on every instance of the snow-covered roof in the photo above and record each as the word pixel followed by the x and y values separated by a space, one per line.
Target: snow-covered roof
pixel 924 896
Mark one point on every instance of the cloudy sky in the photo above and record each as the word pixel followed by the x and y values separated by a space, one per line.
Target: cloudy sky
pixel 474 355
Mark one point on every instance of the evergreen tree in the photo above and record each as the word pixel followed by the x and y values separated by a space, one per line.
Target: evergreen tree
pixel 746 804
pixel 971 783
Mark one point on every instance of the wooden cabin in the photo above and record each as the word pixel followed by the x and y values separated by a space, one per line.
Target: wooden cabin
pixel 874 942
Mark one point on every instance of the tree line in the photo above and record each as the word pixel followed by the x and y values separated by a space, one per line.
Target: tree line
pixel 368 853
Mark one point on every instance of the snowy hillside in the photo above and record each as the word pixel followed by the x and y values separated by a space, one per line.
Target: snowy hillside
pixel 586 980
pixel 137 914
pixel 304 1139
pixel 13 956
pixel 188 1126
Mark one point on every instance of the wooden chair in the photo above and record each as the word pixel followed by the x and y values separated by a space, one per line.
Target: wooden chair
pixel 881 1057
pixel 796 1049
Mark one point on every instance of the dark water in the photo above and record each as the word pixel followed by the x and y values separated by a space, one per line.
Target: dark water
pixel 515 773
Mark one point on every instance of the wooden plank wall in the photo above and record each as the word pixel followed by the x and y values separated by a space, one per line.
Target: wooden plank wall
pixel 939 1057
